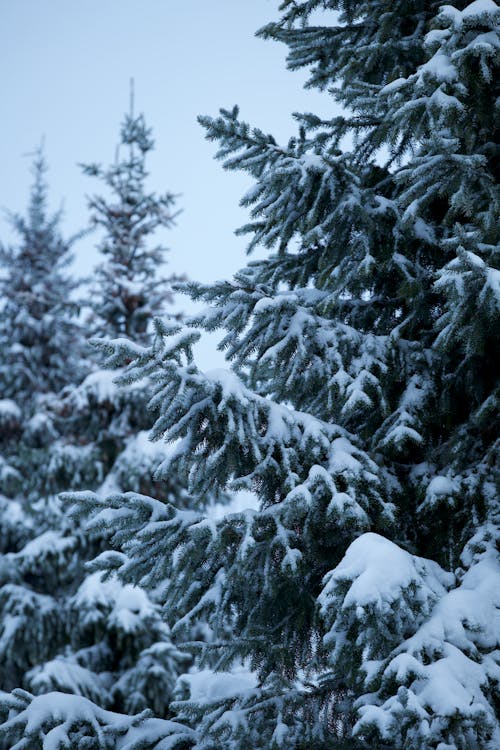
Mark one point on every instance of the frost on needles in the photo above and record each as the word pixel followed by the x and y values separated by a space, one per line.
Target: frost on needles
pixel 361 407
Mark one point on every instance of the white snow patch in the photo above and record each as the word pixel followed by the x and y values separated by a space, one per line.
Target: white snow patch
pixel 206 686
pixel 9 408
pixel 378 570
pixel 240 501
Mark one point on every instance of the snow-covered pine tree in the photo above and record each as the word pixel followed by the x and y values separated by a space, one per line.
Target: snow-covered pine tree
pixel 41 344
pixel 129 289
pixel 362 408
pixel 107 427
pixel 41 352
pixel 60 628
pixel 38 325
pixel 120 653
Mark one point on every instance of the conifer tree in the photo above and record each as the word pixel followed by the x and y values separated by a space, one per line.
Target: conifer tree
pixel 38 332
pixel 41 352
pixel 362 408
pixel 37 325
pixel 129 289
pixel 62 629
pixel 120 653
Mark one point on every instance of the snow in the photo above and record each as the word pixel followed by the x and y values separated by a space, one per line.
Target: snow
pixel 493 283
pixel 141 456
pixel 64 674
pixel 16 513
pixel 393 86
pixel 39 423
pixel 127 344
pixel 440 68
pixel 57 718
pixel 240 501
pixel 49 542
pixel 314 161
pixel 487 42
pixel 66 712
pixel 378 570
pixel 453 685
pixel 62 707
pixel 469 613
pixel 250 196
pixel 341 457
pixel 109 487
pixel 206 686
pixel 423 230
pixel 161 734
pixel 9 409
pixel 480 11
pixel 480 8
pixel 441 486
pixel 100 385
pixel 232 386
pixel 436 37
pixel 141 448
pixel 128 605
pixel 448 666
pixel 280 733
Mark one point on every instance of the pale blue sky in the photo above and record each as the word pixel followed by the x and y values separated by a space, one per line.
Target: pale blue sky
pixel 65 67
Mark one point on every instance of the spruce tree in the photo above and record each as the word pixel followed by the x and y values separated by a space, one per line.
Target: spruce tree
pixel 361 407
pixel 120 652
pixel 62 629
pixel 41 352
pixel 38 326
pixel 106 426
pixel 129 289
pixel 41 343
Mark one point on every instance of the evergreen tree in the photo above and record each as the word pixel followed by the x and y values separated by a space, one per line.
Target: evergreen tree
pixel 106 427
pixel 362 408
pixel 38 328
pixel 41 344
pixel 62 629
pixel 128 292
pixel 41 352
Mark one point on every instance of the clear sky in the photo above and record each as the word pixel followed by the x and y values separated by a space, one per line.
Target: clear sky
pixel 65 67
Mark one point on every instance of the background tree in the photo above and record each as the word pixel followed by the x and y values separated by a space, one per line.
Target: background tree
pixel 41 352
pixel 41 343
pixel 62 629
pixel 106 428
pixel 37 323
pixel 128 290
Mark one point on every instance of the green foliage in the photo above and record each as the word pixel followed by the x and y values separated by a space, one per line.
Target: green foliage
pixel 360 409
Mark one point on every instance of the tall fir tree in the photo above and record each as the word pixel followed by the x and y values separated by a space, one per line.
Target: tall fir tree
pixel 38 325
pixel 106 427
pixel 42 351
pixel 39 330
pixel 362 408
pixel 60 628
pixel 128 290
